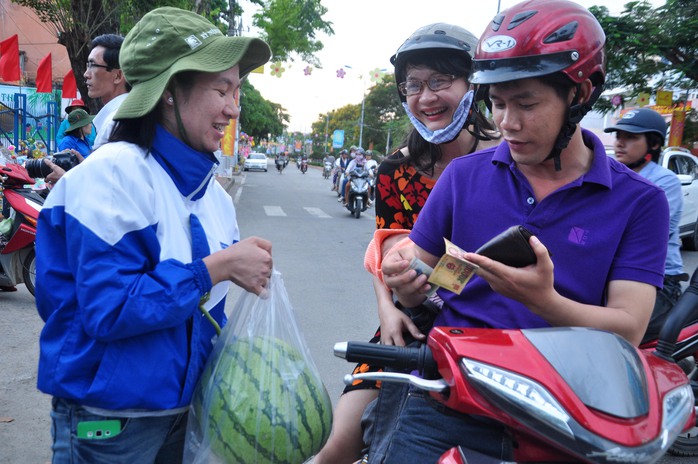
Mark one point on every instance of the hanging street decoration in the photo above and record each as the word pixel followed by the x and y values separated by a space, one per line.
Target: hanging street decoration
pixel 277 70
pixel 377 74
pixel 643 99
pixel 341 73
pixel 308 70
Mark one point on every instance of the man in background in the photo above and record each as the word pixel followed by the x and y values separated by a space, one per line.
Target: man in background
pixel 105 81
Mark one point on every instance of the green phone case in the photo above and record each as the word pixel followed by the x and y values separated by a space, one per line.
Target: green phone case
pixel 99 430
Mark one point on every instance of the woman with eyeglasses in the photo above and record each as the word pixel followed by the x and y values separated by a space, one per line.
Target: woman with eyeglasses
pixel 432 68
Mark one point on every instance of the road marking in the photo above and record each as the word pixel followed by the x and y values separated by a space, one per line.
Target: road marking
pixel 239 192
pixel 274 211
pixel 317 212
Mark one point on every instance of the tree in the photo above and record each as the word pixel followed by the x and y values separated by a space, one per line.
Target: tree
pixel 77 22
pixel 290 26
pixel 260 117
pixel 651 48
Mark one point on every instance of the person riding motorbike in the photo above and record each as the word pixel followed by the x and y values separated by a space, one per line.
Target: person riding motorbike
pixel 542 63
pixel 339 167
pixel 358 163
pixel 372 168
pixel 640 136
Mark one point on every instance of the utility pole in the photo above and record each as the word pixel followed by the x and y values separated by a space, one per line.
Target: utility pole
pixel 361 121
pixel 327 128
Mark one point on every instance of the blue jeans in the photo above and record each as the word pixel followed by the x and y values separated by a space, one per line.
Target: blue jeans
pixel 422 433
pixel 141 440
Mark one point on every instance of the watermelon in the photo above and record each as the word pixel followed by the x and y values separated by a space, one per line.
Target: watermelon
pixel 264 404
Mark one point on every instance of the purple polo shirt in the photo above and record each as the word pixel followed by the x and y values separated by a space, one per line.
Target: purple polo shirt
pixel 606 225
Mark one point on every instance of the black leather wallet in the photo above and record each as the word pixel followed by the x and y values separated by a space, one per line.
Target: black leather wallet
pixel 511 247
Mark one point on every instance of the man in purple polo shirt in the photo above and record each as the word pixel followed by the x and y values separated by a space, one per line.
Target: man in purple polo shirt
pixel 543 62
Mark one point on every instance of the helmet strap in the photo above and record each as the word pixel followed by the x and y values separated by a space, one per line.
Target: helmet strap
pixel 642 161
pixel 575 113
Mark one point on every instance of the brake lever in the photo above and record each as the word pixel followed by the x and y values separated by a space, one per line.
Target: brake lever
pixel 438 385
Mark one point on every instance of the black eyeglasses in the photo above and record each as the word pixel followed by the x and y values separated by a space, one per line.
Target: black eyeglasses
pixel 435 83
pixel 91 65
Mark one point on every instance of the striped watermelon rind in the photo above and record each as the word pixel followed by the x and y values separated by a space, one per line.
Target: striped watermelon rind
pixel 265 406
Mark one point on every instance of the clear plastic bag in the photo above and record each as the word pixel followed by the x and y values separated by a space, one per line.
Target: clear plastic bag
pixel 260 399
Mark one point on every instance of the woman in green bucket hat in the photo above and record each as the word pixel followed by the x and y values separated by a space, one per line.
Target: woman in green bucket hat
pixel 135 239
pixel 77 133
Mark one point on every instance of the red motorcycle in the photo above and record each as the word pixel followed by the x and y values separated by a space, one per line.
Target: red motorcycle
pixel 21 206
pixel 565 394
pixel 304 165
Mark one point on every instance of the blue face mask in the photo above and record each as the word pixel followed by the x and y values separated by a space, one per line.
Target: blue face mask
pixel 450 132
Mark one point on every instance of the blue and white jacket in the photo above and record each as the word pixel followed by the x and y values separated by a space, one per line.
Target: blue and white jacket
pixel 119 276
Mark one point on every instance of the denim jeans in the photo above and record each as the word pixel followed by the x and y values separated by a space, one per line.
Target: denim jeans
pixel 666 299
pixel 141 440
pixel 422 433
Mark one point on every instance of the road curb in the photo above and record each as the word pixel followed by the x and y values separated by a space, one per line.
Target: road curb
pixel 227 183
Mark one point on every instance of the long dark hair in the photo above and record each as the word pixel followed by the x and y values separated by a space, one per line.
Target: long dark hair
pixel 422 154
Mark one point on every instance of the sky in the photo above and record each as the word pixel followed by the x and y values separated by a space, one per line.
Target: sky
pixel 366 34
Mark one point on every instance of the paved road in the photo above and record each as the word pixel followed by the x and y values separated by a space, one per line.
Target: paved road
pixel 318 248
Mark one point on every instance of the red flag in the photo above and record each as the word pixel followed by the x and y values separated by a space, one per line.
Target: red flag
pixel 44 75
pixel 9 59
pixel 70 87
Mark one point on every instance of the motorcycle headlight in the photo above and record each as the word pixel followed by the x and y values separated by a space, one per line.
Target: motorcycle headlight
pixel 532 405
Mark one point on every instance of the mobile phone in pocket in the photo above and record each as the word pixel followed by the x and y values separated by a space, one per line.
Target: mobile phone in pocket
pixel 99 430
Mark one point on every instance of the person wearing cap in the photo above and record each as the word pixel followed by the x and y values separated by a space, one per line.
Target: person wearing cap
pixel 105 81
pixel 596 225
pixel 74 104
pixel 640 135
pixel 136 239
pixel 432 73
pixel 77 133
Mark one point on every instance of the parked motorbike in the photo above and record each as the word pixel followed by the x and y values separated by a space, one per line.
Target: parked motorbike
pixel 327 170
pixel 280 165
pixel 304 166
pixel 616 403
pixel 357 198
pixel 21 206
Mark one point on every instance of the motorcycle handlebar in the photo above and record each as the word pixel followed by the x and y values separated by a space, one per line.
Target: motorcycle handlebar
pixel 396 357
pixel 685 310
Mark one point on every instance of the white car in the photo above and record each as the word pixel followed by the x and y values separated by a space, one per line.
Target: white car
pixel 685 165
pixel 255 161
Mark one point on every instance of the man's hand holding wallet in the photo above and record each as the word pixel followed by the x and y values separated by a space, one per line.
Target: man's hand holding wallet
pixel 511 248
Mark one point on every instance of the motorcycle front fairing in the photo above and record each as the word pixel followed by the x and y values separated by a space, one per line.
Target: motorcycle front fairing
pixel 586 392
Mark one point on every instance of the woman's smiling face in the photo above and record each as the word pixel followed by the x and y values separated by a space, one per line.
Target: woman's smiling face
pixel 206 109
pixel 434 109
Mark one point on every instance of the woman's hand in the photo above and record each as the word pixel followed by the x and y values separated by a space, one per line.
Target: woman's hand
pixel 394 323
pixel 248 264
pixel 409 286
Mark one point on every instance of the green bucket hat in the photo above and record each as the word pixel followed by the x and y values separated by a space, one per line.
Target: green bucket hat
pixel 170 40
pixel 78 118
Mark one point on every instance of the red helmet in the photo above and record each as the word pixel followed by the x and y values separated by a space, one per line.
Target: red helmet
pixel 540 37
pixel 75 104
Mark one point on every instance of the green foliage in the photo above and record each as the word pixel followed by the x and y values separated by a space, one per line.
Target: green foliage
pixel 648 49
pixel 290 26
pixel 651 49
pixel 260 117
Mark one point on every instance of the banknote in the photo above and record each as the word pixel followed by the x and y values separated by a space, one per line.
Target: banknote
pixel 423 268
pixel 452 271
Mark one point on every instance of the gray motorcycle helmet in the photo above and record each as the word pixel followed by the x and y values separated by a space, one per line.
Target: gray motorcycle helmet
pixel 437 36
